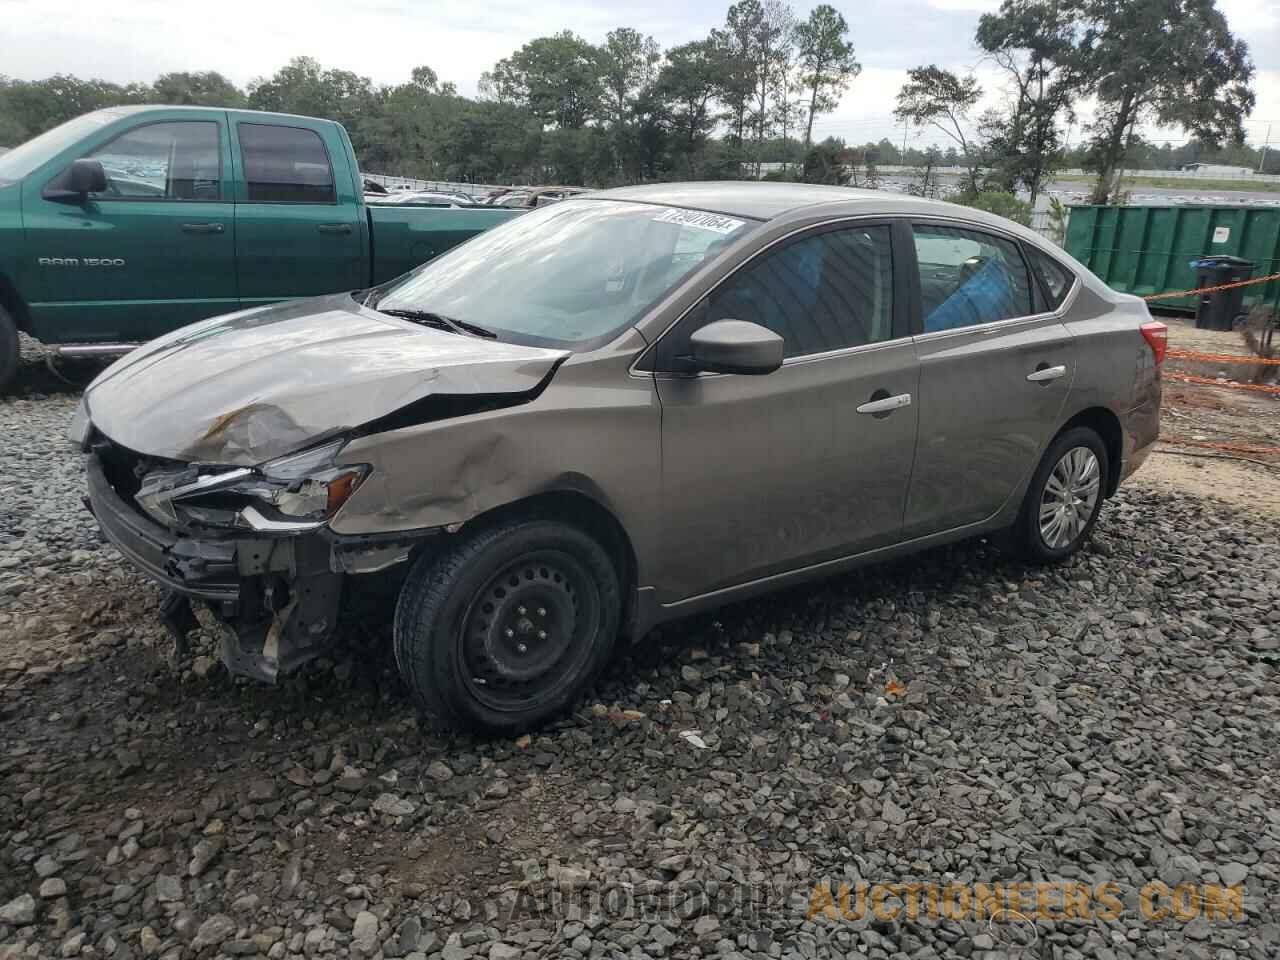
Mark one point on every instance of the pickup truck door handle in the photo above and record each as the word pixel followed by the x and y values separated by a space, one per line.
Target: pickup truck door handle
pixel 886 404
pixel 202 228
pixel 1044 373
pixel 334 228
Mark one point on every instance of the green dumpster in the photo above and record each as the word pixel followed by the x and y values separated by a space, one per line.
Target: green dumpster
pixel 1149 250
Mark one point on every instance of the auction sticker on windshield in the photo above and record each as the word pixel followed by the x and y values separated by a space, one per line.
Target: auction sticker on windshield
pixel 700 220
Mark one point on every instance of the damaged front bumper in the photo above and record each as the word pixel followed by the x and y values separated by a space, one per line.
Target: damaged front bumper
pixel 277 595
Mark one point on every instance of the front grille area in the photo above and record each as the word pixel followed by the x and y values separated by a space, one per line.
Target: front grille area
pixel 125 469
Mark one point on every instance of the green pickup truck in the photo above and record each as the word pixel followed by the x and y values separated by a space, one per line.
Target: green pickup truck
pixel 128 222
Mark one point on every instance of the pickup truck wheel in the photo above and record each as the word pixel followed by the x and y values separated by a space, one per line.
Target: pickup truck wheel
pixel 505 630
pixel 1064 499
pixel 8 348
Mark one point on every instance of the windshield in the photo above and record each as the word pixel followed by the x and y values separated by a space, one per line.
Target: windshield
pixel 21 160
pixel 565 274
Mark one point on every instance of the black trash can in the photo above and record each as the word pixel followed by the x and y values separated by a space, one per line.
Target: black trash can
pixel 1218 310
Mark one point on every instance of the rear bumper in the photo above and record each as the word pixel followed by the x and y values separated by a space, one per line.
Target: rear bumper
pixel 1141 429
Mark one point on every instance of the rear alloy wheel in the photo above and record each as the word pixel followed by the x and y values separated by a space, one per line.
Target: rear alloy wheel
pixel 1065 497
pixel 508 628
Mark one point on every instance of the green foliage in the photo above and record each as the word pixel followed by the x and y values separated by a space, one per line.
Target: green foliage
pixel 826 162
pixel 827 62
pixel 208 89
pixel 559 79
pixel 1002 204
pixel 562 108
pixel 943 100
pixel 1174 62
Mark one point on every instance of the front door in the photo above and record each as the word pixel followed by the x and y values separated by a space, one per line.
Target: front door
pixel 152 252
pixel 761 474
pixel 994 376
pixel 300 232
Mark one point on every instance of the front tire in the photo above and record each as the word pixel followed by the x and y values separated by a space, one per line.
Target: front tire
pixel 506 629
pixel 1064 498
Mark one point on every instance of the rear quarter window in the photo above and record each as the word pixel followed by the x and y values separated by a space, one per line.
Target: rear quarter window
pixel 1055 279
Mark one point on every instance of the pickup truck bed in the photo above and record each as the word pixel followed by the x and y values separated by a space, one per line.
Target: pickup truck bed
pixel 128 222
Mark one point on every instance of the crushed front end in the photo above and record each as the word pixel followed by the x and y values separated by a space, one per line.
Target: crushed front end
pixel 252 543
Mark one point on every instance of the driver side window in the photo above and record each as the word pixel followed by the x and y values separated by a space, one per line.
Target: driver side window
pixel 825 291
pixel 174 160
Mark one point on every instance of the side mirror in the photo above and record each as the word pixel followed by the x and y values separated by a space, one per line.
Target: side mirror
pixel 87 176
pixel 736 346
pixel 76 182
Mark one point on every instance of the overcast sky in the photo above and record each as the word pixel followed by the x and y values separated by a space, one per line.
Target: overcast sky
pixel 134 40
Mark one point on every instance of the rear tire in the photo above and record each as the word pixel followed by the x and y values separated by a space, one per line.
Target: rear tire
pixel 9 349
pixel 506 629
pixel 1064 498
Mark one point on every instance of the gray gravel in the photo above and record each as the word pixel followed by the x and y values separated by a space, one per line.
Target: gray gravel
pixel 952 718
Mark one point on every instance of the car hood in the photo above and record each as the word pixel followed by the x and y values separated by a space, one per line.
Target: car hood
pixel 251 386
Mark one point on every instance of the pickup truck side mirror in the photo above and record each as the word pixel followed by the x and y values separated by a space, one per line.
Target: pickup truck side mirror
pixel 82 178
pixel 736 346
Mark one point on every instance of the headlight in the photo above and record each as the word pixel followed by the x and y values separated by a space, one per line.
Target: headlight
pixel 78 429
pixel 290 495
pixel 307 485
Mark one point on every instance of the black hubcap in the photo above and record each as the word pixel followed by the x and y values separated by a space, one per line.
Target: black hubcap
pixel 529 631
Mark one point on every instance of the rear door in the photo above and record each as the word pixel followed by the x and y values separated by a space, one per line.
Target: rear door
pixel 761 474
pixel 995 371
pixel 152 252
pixel 300 226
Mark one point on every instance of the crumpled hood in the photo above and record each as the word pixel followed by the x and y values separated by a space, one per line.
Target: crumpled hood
pixel 251 386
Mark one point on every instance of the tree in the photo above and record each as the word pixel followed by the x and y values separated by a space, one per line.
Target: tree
pixel 304 86
pixel 1038 45
pixel 629 67
pixel 558 78
pixel 825 162
pixel 28 108
pixel 1173 62
pixel 207 89
pixel 743 24
pixel 687 84
pixel 772 40
pixel 939 98
pixel 827 62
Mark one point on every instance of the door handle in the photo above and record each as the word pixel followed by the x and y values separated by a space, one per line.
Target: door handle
pixel 334 228
pixel 202 228
pixel 886 404
pixel 1044 373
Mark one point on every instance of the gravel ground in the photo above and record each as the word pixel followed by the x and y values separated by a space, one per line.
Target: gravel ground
pixel 954 718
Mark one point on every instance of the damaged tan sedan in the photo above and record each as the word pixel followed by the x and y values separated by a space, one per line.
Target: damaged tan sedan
pixel 614 411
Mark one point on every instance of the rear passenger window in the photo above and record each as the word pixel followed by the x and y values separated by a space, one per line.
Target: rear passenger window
pixel 1055 278
pixel 825 292
pixel 285 164
pixel 968 278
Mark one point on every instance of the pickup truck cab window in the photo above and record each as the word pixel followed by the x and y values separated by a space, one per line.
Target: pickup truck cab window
pixel 285 164
pixel 969 278
pixel 178 160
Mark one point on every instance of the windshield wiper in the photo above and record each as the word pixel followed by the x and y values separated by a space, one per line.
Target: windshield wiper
pixel 441 322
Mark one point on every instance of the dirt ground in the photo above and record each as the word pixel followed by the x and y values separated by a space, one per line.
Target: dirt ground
pixel 1199 420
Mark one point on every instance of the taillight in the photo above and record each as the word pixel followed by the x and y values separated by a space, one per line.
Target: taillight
pixel 1157 336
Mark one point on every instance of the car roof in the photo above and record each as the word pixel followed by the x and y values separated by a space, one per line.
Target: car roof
pixel 766 201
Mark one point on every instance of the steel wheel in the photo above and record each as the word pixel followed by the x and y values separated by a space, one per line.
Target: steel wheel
pixel 529 630
pixel 1070 496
